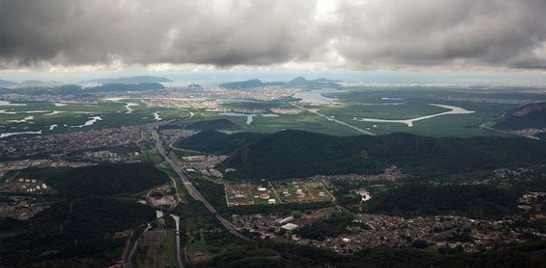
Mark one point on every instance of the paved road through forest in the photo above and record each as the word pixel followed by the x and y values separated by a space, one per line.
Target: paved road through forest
pixel 192 191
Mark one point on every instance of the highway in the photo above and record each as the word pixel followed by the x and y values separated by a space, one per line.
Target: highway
pixel 128 260
pixel 192 191
pixel 316 112
pixel 178 255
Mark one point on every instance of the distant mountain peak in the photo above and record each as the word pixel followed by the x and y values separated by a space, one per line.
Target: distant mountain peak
pixel 315 83
pixel 530 108
pixel 298 79
pixel 132 80
pixel 243 84
pixel 300 82
pixel 6 83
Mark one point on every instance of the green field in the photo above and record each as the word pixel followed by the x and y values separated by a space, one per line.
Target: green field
pixel 390 110
pixel 385 103
pixel 51 118
pixel 156 249
pixel 362 102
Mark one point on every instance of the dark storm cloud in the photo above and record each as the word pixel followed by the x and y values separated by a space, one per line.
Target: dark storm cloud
pixel 421 32
pixel 262 32
pixel 215 32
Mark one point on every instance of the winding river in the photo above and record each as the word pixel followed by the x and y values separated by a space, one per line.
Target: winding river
pixel 411 121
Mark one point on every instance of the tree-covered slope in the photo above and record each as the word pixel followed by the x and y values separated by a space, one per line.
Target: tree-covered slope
pixel 214 142
pixel 77 90
pixel 216 124
pixel 298 153
pixel 474 201
pixel 73 231
pixel 529 116
pixel 103 180
pixel 243 84
pixel 132 80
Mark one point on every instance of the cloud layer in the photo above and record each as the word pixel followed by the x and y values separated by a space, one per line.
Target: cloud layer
pixel 346 34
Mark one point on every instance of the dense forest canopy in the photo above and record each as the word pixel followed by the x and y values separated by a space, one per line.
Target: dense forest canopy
pixel 294 153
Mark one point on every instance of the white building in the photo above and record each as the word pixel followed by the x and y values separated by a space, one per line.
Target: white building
pixel 289 227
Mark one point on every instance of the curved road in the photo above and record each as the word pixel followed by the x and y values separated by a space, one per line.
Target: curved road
pixel 194 193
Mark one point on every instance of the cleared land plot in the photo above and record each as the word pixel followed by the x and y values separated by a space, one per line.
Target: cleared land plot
pixel 302 192
pixel 239 194
pixel 156 249
pixel 276 193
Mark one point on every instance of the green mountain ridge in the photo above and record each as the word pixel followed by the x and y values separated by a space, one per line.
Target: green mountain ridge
pixel 7 83
pixel 294 153
pixel 73 229
pixel 532 115
pixel 214 142
pixel 86 226
pixel 132 80
pixel 315 83
pixel 102 180
pixel 299 82
pixel 216 124
pixel 243 84
pixel 70 89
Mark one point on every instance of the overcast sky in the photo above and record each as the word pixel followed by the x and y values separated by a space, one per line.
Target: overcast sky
pixel 65 35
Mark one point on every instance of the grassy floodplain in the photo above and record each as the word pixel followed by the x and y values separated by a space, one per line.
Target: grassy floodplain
pixel 330 117
pixel 488 106
pixel 64 117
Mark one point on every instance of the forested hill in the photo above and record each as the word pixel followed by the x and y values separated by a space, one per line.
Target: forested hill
pixel 72 232
pixel 216 124
pixel 214 142
pixel 243 84
pixel 298 82
pixel 100 180
pixel 132 80
pixel 294 153
pixel 532 115
pixel 79 90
